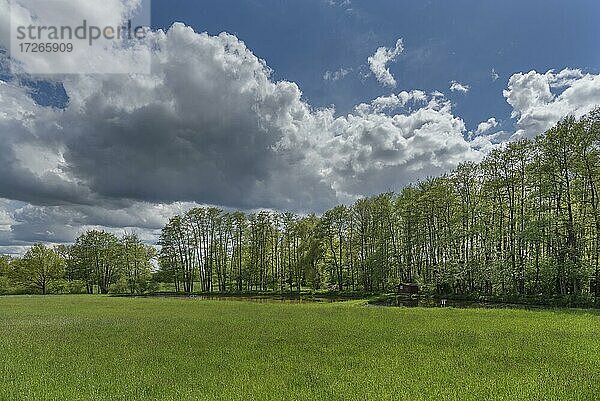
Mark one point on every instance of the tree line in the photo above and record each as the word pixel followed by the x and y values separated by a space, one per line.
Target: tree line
pixel 525 221
pixel 98 262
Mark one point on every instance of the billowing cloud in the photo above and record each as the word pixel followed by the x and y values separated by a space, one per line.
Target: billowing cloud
pixel 393 102
pixel 378 63
pixel 485 126
pixel 374 152
pixel 30 156
pixel 540 100
pixel 211 126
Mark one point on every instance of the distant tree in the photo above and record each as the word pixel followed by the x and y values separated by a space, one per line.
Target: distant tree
pixel 135 259
pixel 40 267
pixel 5 281
pixel 4 265
pixel 95 259
pixel 177 255
pixel 311 251
pixel 334 227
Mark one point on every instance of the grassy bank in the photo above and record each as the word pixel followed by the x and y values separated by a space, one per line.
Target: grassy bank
pixel 101 348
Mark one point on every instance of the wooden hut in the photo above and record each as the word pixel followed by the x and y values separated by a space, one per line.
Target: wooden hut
pixel 407 289
pixel 407 295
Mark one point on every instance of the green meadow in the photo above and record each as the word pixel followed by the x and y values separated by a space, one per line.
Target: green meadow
pixel 104 348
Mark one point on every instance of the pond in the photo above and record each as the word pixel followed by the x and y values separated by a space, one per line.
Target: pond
pixel 289 299
pixel 424 302
pixel 270 299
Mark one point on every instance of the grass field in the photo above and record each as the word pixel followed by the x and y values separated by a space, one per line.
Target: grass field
pixel 100 348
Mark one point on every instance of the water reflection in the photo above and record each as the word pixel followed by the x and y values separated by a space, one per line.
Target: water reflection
pixel 259 298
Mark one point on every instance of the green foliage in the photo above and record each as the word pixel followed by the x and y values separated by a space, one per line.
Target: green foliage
pixel 120 287
pixel 75 287
pixel 5 283
pixel 95 260
pixel 135 260
pixel 39 269
pixel 110 264
pixel 98 260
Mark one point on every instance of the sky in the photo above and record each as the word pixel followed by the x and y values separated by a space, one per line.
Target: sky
pixel 283 105
pixel 444 41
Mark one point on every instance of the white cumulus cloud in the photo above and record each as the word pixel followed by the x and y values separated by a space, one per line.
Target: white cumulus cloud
pixel 378 63
pixel 485 126
pixel 458 87
pixel 539 100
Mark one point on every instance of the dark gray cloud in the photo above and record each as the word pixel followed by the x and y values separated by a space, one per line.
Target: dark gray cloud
pixel 205 127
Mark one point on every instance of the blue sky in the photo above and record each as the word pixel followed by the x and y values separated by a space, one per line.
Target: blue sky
pixel 444 40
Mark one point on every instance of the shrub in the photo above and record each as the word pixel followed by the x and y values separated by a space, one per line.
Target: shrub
pixel 120 287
